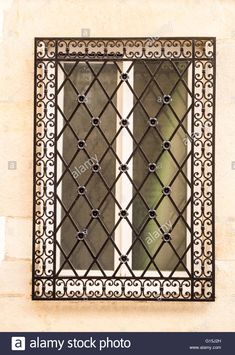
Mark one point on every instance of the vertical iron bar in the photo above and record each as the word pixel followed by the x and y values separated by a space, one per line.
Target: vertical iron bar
pixel 213 169
pixel 192 172
pixel 55 168
pixel 34 168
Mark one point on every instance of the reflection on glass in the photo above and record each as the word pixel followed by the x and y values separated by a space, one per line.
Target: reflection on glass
pixel 81 168
pixel 151 151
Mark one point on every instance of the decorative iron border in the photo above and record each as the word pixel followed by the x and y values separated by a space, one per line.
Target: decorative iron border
pixel 201 285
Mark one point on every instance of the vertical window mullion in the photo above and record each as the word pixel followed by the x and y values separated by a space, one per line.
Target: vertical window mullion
pixel 123 234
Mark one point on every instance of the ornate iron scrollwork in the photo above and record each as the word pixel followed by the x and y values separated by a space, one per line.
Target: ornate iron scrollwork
pixel 198 284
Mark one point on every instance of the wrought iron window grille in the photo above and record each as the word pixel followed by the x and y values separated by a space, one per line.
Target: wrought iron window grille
pixel 175 214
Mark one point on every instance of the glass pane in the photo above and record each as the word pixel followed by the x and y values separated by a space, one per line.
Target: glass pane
pixel 82 79
pixel 150 150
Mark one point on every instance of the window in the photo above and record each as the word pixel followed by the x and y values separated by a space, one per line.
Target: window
pixel 124 155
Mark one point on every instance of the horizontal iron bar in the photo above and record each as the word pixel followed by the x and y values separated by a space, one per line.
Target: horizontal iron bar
pixel 160 299
pixel 124 38
pixel 82 59
pixel 123 278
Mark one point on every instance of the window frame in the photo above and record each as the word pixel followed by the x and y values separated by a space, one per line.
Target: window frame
pixel 123 234
pixel 198 287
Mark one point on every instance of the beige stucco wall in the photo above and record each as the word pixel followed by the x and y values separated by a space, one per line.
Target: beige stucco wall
pixel 26 19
